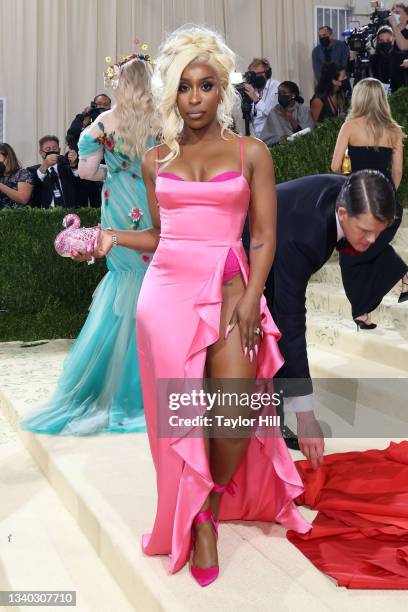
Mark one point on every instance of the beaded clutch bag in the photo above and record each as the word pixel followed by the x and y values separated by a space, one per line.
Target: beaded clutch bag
pixel 75 237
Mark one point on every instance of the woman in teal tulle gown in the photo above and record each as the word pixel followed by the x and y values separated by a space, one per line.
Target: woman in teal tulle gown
pixel 99 389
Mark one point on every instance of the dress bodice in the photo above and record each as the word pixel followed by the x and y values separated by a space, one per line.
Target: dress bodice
pixel 210 211
pixel 370 158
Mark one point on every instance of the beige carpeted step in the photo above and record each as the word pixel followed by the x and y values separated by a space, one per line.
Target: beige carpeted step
pixel 41 546
pixel 108 485
pixel 359 397
pixel 325 298
pixel 384 346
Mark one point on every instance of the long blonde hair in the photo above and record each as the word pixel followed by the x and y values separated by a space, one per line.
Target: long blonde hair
pixel 185 45
pixel 369 101
pixel 134 107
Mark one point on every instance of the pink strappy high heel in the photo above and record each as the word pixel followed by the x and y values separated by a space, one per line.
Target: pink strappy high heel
pixel 206 575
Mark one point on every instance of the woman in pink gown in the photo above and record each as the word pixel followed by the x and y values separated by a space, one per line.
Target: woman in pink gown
pixel 200 312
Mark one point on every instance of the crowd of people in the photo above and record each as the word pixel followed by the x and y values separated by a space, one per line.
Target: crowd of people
pixel 197 239
pixel 278 112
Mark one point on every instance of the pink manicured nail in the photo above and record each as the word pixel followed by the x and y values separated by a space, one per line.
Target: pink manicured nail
pixel 251 355
pixel 246 351
pixel 256 350
pixel 227 331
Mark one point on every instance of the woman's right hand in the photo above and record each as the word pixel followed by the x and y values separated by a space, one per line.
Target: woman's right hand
pixel 101 250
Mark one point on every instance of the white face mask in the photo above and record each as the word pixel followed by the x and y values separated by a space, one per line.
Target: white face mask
pixel 397 18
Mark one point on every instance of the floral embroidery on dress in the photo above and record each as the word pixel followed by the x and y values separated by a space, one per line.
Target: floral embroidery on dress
pixel 135 214
pixel 145 258
pixel 105 139
pixel 112 144
pixel 106 195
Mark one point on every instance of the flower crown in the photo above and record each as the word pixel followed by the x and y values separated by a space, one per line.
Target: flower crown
pixel 112 72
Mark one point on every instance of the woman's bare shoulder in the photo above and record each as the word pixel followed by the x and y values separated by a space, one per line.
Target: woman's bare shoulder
pixel 255 150
pixel 149 157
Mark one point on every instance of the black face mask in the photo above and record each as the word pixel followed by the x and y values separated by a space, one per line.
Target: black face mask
pixel 260 82
pixel 384 47
pixel 324 41
pixel 2 169
pixel 284 100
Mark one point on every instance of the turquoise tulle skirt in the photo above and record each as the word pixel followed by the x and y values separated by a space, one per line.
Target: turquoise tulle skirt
pixel 99 390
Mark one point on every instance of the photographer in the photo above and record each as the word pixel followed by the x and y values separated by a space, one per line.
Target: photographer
pixel 55 179
pixel 386 62
pixel 263 92
pixel 16 183
pixel 100 104
pixel 399 23
pixel 328 50
pixel 88 192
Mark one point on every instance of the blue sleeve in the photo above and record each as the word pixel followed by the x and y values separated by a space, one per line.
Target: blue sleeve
pixel 88 145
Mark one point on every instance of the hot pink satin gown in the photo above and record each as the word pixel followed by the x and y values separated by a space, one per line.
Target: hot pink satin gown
pixel 178 317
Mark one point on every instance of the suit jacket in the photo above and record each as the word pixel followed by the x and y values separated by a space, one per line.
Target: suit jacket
pixel 305 239
pixel 43 190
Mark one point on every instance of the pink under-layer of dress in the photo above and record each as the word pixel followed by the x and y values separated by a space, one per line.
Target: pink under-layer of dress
pixel 178 318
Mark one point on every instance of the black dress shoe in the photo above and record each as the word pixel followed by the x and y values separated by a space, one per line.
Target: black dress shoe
pixel 403 297
pixel 290 438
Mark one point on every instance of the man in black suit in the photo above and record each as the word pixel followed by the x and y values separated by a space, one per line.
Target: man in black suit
pixel 315 215
pixel 88 191
pixel 55 179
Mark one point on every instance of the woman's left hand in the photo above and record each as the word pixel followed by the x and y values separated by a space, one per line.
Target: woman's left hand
pixel 247 315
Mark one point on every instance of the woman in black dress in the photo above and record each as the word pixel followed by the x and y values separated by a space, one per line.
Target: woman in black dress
pixel 374 141
pixel 329 100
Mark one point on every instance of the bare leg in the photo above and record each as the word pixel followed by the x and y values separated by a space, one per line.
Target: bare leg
pixel 225 359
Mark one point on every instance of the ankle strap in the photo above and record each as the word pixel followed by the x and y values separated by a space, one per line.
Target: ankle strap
pixel 229 487
pixel 206 515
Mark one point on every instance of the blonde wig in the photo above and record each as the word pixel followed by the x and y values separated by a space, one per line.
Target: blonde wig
pixel 369 101
pixel 185 45
pixel 134 108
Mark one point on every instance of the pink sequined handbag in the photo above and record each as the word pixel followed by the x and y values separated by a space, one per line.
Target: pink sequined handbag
pixel 76 238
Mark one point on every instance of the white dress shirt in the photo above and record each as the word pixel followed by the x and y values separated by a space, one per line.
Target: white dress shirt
pixel 268 101
pixel 41 175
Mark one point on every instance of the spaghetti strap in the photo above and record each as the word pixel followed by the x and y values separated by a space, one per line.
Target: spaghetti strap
pixel 241 152
pixel 156 161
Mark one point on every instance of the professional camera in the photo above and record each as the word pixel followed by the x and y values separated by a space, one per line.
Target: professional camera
pixel 94 112
pixel 246 102
pixel 61 159
pixel 360 40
